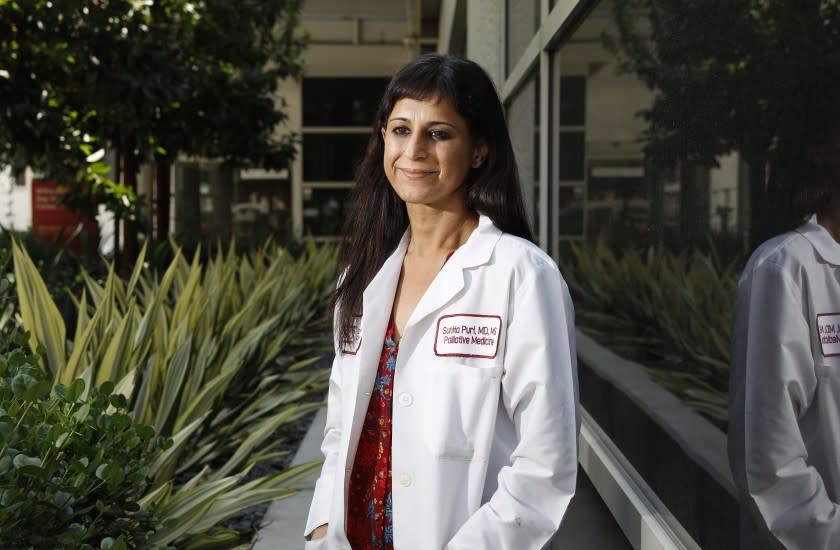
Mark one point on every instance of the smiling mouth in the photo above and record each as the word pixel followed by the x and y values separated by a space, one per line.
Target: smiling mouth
pixel 416 174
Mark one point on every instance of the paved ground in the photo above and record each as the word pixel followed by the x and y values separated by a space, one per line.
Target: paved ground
pixel 587 525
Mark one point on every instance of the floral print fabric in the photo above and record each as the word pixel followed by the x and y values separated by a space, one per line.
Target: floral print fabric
pixel 369 518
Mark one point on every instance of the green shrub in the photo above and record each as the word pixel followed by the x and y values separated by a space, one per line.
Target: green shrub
pixel 213 356
pixel 73 465
pixel 668 311
pixel 7 303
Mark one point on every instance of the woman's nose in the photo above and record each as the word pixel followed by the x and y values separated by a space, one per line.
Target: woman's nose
pixel 415 146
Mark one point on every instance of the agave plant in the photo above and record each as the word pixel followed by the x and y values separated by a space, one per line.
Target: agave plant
pixel 668 311
pixel 213 356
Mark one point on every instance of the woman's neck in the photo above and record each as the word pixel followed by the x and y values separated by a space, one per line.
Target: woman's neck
pixel 435 231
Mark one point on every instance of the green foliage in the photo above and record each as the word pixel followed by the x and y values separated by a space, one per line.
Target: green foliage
pixel 7 302
pixel 73 465
pixel 148 79
pixel 754 76
pixel 213 356
pixel 668 311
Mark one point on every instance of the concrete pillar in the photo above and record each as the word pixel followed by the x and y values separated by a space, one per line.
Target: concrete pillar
pixel 485 36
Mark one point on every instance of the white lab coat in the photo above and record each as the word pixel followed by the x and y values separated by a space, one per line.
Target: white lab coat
pixel 484 441
pixel 784 426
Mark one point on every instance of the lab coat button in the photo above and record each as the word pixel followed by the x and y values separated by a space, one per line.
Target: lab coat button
pixel 405 480
pixel 406 399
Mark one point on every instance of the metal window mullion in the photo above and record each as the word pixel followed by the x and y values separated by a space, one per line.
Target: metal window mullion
pixel 560 19
pixel 518 76
pixel 555 90
pixel 336 129
pixel 545 137
pixel 338 184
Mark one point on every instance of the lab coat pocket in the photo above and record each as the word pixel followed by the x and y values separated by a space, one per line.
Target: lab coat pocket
pixel 828 384
pixel 462 411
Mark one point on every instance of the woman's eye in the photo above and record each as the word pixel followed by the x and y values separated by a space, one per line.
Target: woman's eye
pixel 400 131
pixel 439 134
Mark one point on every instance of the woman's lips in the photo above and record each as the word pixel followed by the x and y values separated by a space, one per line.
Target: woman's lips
pixel 416 174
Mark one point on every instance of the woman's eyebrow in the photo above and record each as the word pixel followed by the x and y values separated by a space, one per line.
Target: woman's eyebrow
pixel 432 123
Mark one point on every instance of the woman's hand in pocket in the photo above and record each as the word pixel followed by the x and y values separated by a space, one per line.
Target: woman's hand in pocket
pixel 319 532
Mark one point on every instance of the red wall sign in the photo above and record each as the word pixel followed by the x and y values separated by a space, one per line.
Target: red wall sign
pixel 49 218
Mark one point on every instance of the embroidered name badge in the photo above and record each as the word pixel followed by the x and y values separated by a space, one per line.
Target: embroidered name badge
pixel 829 327
pixel 351 345
pixel 468 335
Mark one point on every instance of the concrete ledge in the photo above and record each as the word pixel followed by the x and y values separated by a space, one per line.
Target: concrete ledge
pixel 283 524
pixel 681 455
pixel 700 439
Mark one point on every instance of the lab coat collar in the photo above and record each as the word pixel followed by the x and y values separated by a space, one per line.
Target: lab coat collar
pixel 479 246
pixel 378 297
pixel 821 240
pixel 450 280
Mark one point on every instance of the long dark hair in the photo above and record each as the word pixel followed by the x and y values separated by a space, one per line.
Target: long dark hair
pixel 376 217
pixel 807 183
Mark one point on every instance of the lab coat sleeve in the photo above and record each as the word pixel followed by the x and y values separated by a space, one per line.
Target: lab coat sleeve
pixel 779 385
pixel 319 510
pixel 539 392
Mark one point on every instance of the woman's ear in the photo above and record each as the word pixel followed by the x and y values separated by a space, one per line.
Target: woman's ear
pixel 479 154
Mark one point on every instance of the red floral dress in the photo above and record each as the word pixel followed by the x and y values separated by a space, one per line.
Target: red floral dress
pixel 369 518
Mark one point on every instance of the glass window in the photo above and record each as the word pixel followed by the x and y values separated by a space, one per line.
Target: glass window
pixel 570 211
pixel 572 100
pixel 570 154
pixel 332 157
pixel 323 210
pixel 261 208
pixel 617 202
pixel 341 101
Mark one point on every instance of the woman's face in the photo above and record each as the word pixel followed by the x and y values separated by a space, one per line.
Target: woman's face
pixel 428 152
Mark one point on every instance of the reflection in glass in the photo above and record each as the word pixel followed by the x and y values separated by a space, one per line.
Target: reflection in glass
pixel 617 205
pixel 570 214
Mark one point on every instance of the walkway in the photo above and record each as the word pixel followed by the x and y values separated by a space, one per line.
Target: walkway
pixel 588 523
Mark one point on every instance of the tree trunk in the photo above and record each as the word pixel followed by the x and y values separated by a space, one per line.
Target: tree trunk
pixel 162 182
pixel 688 205
pixel 656 193
pixel 130 246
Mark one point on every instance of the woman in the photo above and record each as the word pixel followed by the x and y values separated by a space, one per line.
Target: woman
pixel 784 425
pixel 461 431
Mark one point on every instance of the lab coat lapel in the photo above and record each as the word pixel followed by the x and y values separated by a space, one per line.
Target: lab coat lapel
pixel 377 302
pixel 450 280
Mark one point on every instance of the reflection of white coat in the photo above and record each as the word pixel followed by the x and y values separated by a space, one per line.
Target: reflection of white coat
pixel 485 417
pixel 784 427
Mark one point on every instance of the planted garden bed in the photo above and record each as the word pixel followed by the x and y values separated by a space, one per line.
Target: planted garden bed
pixel 216 360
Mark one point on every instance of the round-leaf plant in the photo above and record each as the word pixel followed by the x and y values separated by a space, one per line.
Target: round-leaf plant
pixel 72 464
